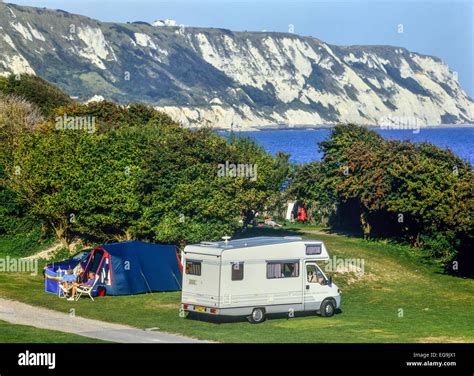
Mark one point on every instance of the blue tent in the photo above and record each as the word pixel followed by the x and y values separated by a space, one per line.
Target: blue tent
pixel 132 267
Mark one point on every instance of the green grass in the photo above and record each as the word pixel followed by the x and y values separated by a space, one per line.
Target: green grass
pixel 10 333
pixel 436 307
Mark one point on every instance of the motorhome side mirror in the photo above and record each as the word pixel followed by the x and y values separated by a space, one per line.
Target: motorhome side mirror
pixel 330 280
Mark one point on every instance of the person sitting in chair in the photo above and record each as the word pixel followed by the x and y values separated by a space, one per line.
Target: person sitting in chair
pixel 68 281
pixel 89 283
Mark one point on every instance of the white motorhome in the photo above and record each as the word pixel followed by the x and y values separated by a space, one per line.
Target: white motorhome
pixel 257 276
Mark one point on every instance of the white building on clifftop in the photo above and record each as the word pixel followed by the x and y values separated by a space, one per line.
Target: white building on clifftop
pixel 166 22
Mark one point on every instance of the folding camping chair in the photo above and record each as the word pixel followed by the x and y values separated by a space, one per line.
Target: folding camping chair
pixel 80 290
pixel 63 291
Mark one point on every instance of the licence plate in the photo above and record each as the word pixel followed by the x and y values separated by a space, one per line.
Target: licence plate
pixel 200 309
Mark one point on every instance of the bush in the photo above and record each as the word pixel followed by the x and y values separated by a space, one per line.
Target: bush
pixel 419 192
pixel 17 116
pixel 36 91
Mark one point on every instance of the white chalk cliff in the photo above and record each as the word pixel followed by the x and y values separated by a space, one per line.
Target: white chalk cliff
pixel 215 77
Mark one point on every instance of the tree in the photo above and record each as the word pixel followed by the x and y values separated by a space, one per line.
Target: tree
pixel 17 117
pixel 397 189
pixel 82 183
pixel 432 189
pixel 139 175
pixel 354 166
pixel 184 195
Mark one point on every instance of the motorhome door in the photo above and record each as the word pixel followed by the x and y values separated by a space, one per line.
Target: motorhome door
pixel 316 287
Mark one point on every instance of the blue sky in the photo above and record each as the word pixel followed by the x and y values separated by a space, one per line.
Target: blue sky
pixel 441 28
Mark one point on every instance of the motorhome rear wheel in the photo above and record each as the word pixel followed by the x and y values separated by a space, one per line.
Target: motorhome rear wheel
pixel 257 316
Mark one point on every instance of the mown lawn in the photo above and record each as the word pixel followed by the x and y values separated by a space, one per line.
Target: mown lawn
pixel 397 299
pixel 10 333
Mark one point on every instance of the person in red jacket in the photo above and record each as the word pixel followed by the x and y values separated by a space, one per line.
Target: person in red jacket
pixel 302 216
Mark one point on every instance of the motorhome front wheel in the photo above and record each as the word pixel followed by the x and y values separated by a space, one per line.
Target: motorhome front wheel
pixel 257 316
pixel 327 308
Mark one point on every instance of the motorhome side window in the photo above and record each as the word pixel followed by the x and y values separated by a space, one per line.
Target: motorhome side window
pixel 193 267
pixel 282 269
pixel 237 271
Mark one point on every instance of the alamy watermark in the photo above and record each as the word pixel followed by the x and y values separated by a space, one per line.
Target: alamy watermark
pixel 14 265
pixel 345 265
pixel 234 170
pixel 77 123
pixel 401 122
pixel 37 359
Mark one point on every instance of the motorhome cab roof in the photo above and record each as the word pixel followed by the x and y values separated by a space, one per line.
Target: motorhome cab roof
pixel 293 246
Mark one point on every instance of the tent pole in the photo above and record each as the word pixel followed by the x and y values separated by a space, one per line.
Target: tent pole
pixel 149 289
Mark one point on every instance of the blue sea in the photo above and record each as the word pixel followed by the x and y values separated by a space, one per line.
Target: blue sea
pixel 302 144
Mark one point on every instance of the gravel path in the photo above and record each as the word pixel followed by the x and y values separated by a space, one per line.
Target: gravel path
pixel 16 312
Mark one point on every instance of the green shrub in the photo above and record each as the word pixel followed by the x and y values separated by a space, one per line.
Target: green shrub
pixel 418 192
pixel 35 90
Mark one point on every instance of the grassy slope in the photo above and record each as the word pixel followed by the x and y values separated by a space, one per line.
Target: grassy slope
pixel 436 307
